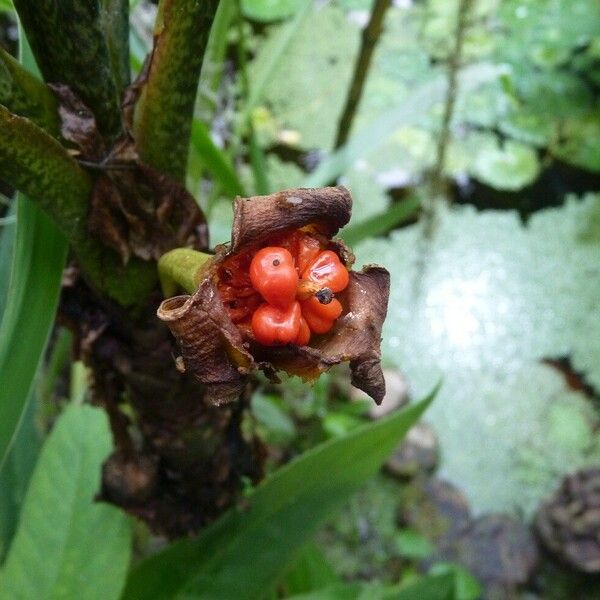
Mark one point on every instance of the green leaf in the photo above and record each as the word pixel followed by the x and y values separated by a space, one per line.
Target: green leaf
pixel 438 587
pixel 310 572
pixel 163 115
pixel 466 587
pixel 381 223
pixel 215 160
pixel 271 10
pixel 35 163
pixel 579 144
pixel 279 427
pixel 25 95
pixel 16 473
pixel 68 42
pixel 38 258
pixel 7 241
pixel 411 544
pixel 6 6
pixel 247 550
pixel 67 545
pixel 511 167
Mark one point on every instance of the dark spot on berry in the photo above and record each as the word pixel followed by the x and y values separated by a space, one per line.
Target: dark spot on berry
pixel 276 262
pixel 324 296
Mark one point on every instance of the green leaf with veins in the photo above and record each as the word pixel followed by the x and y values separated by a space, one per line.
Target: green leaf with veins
pixel 68 545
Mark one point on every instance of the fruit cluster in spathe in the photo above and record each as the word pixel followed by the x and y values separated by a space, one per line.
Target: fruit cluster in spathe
pixel 284 292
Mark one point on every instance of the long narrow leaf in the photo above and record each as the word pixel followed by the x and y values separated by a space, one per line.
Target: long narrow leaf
pixel 39 256
pixel 16 473
pixel 247 550
pixel 382 222
pixel 68 42
pixel 67 545
pixel 215 160
pixel 163 116
pixel 40 252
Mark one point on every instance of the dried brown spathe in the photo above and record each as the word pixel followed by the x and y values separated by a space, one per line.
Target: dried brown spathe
pixel 213 348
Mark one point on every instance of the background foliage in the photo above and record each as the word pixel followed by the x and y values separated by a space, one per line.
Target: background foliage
pixel 495 283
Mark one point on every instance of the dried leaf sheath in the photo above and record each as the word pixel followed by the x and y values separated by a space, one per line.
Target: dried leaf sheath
pixel 213 348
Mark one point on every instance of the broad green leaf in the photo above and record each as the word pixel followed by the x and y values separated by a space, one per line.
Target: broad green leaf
pixel 67 545
pixel 6 5
pixel 246 551
pixel 271 10
pixel 215 160
pixel 39 256
pixel 69 45
pixel 381 223
pixel 511 167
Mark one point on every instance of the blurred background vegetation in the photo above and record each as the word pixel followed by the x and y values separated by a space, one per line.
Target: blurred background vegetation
pixel 475 173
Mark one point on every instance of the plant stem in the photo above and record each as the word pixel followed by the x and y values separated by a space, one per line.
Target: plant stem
pixel 26 95
pixel 163 115
pixel 454 64
pixel 114 16
pixel 179 268
pixel 370 37
pixel 436 194
pixel 70 48
pixel 35 163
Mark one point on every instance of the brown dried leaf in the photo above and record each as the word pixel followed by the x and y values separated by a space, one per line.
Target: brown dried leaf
pixel 78 124
pixel 211 345
pixel 259 217
pixel 355 337
pixel 138 211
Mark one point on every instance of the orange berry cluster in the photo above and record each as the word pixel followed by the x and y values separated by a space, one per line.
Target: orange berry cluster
pixel 284 292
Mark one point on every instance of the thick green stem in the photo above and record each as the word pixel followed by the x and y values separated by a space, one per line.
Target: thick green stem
pixel 25 95
pixel 179 269
pixel 163 115
pixel 67 39
pixel 114 17
pixel 35 163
